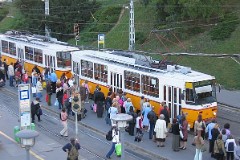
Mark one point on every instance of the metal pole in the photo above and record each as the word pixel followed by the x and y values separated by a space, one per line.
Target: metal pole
pixel 122 142
pixel 76 126
pixel 27 153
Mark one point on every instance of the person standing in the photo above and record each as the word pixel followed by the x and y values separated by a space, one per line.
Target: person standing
pixel 49 92
pixel 176 135
pixel 199 142
pixel 200 124
pixel 161 131
pixel 145 112
pixel 166 114
pixel 39 88
pixel 72 149
pixel 83 98
pixel 215 132
pixel 35 106
pixel 132 123
pixel 53 79
pixel 184 128
pixel 139 127
pixel 152 117
pixel 127 105
pixel 209 128
pixel 237 151
pixel 64 117
pixel 87 91
pixel 99 99
pixel 219 149
pixel 25 77
pixel 115 140
pixel 108 104
pixel 59 96
pixel 11 74
pixel 230 146
pixel 113 111
pixel 6 68
pixel 142 101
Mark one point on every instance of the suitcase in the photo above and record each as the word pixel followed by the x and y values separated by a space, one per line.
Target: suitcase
pixel 118 149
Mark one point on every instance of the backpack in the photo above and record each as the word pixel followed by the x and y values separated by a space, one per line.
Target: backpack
pixel 73 153
pixel 230 146
pixel 109 135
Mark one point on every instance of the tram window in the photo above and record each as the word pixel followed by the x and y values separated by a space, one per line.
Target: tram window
pixel 5 46
pixel 175 95
pixel 100 72
pixel 29 53
pixel 86 69
pixel 132 81
pixel 63 59
pixel 12 49
pixel 189 95
pixel 38 56
pixel 150 85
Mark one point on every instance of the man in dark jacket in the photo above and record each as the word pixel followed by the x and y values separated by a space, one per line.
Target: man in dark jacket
pixel 5 68
pixel 68 148
pixel 152 120
pixel 132 122
pixel 35 106
pixel 166 114
pixel 99 100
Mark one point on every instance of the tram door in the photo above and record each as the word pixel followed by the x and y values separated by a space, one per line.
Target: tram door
pixel 172 98
pixel 20 54
pixel 50 62
pixel 116 81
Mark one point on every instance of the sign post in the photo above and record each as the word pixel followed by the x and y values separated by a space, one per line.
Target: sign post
pixel 101 40
pixel 24 105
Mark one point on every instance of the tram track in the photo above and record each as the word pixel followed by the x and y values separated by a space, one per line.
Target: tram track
pixel 53 114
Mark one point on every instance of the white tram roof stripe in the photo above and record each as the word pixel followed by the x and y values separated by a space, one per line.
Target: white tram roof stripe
pixel 109 58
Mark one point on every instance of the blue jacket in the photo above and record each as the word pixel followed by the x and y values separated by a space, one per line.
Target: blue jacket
pixel 53 77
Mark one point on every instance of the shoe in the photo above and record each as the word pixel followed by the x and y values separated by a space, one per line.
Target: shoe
pixel 176 150
pixel 108 157
pixel 184 148
pixel 158 145
pixel 39 120
pixel 65 136
pixel 162 146
pixel 180 147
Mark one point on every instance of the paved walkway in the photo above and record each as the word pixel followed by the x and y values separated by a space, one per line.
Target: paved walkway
pixel 98 124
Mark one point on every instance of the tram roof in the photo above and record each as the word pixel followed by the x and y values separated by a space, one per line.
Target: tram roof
pixel 38 41
pixel 143 63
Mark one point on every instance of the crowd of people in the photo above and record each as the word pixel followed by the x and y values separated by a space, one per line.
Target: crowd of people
pixel 145 121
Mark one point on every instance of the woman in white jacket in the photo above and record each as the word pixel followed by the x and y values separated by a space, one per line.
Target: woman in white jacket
pixel 39 88
pixel 161 131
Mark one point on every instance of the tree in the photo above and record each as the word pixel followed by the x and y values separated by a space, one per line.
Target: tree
pixel 63 15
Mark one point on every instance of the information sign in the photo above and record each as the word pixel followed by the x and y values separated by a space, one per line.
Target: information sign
pixel 24 105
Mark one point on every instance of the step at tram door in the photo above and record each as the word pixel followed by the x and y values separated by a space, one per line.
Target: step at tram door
pixel 172 98
pixel 116 81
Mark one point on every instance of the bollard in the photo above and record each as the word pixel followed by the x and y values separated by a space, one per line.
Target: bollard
pixel 16 130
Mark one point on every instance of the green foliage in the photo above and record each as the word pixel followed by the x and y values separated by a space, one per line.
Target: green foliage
pixel 140 37
pixel 103 22
pixel 63 15
pixel 3 12
pixel 225 27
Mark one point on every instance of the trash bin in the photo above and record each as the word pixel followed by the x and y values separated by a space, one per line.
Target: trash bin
pixel 16 130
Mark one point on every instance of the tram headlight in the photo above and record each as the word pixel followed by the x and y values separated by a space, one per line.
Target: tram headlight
pixel 214 113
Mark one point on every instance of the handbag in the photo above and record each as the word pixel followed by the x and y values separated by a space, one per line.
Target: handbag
pixel 39 112
pixel 118 149
pixel 56 103
pixel 181 134
pixel 203 148
pixel 34 90
pixel 47 97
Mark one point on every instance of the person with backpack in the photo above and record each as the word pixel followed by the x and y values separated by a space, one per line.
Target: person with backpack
pixel 132 123
pixel 115 140
pixel 72 149
pixel 108 104
pixel 230 145
pixel 219 149
pixel 35 106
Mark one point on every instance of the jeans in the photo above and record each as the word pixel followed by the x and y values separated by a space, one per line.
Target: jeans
pixel 111 150
pixel 198 155
pixel 34 81
pixel 39 95
pixel 107 119
pixel 60 105
pixel 11 81
pixel 151 130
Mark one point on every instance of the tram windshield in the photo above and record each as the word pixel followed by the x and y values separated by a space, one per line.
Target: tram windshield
pixel 206 97
pixel 63 59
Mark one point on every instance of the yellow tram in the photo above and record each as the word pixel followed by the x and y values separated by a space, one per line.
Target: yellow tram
pixel 182 89
pixel 36 50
